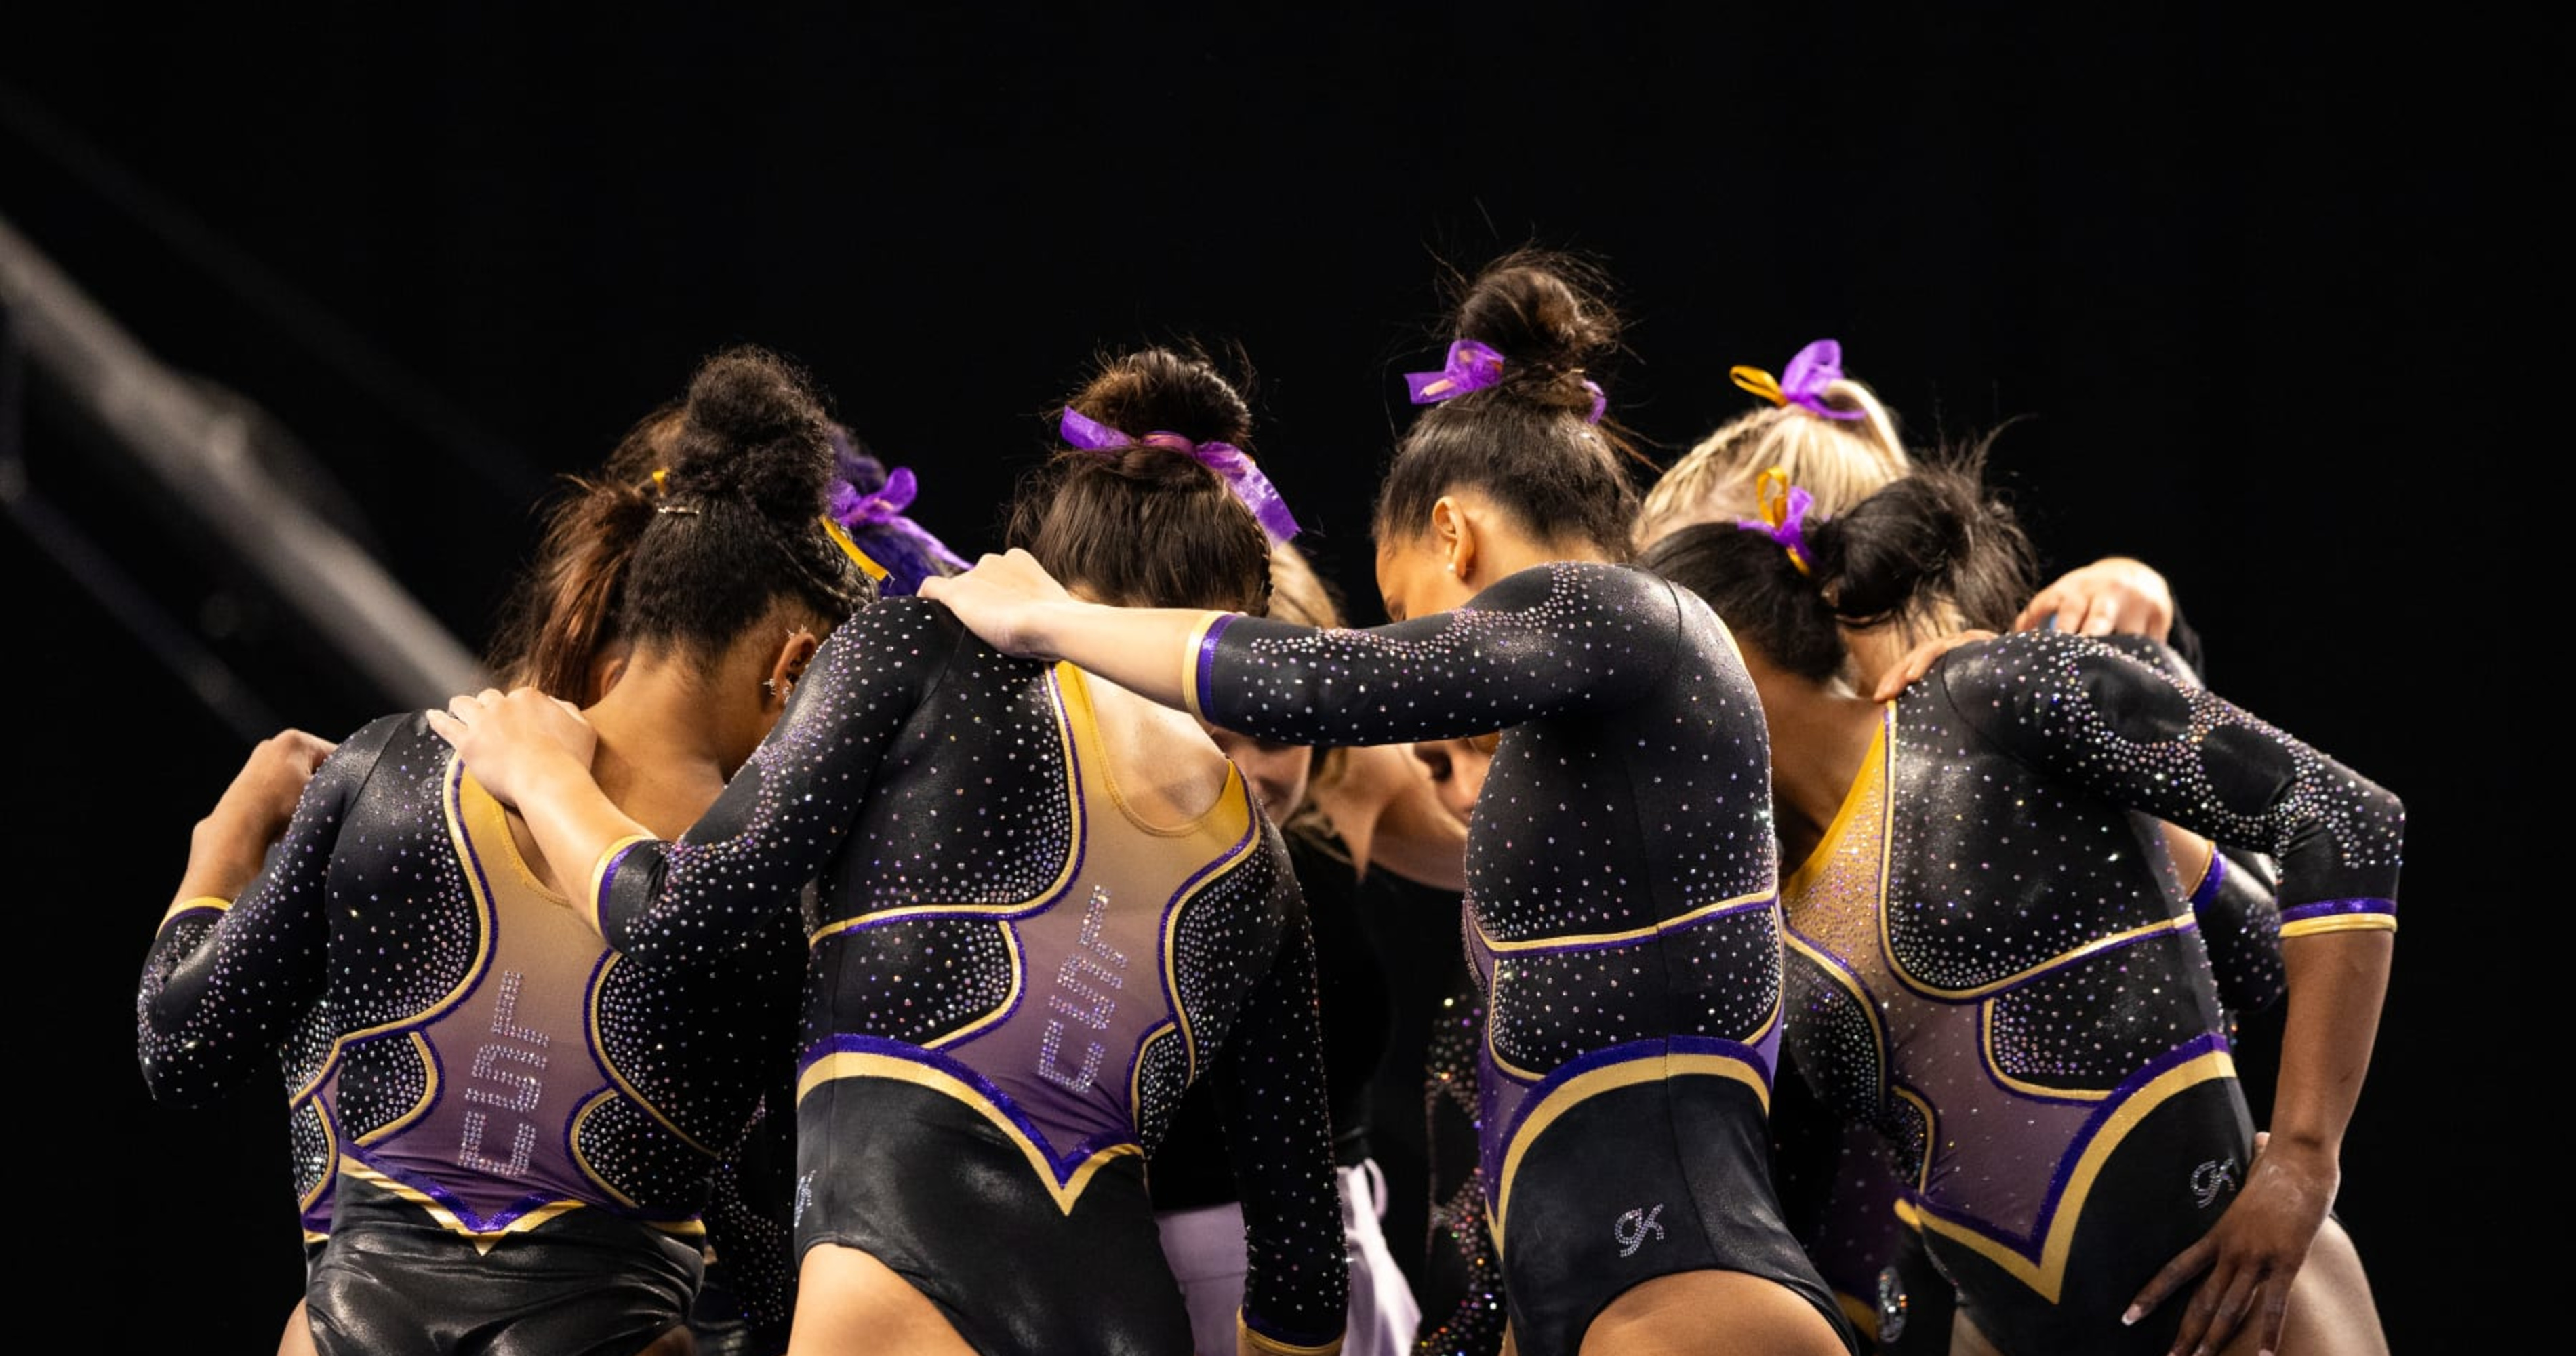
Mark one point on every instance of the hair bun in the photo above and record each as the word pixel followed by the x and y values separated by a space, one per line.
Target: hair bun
pixel 1545 314
pixel 752 428
pixel 1158 390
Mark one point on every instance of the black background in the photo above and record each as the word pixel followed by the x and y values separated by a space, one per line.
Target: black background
pixel 2223 264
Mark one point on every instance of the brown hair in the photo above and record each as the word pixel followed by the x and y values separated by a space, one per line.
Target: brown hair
pixel 706 513
pixel 1526 442
pixel 1145 525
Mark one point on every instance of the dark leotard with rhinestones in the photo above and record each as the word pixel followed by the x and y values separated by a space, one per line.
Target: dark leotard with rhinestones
pixel 1994 961
pixel 1013 978
pixel 1622 916
pixel 490 1064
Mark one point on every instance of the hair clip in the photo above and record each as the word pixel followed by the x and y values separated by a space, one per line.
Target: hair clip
pixel 1783 507
pixel 1803 382
pixel 1232 464
pixel 663 502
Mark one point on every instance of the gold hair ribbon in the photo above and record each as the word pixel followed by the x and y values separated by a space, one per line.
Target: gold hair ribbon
pixel 1760 383
pixel 841 538
pixel 662 482
pixel 1784 514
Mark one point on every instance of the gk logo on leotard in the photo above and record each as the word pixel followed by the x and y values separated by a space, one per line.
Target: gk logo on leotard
pixel 2211 1178
pixel 804 1198
pixel 1631 1229
pixel 496 1087
pixel 1082 1002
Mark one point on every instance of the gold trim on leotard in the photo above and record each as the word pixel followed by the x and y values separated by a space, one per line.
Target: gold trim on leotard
pixel 1995 1067
pixel 868 1064
pixel 212 903
pixel 1074 807
pixel 2342 922
pixel 599 1052
pixel 1591 940
pixel 2047 1273
pixel 1609 1078
pixel 1272 1346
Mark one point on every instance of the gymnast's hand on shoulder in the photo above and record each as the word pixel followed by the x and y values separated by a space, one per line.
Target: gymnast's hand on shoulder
pixel 2113 596
pixel 225 848
pixel 1006 600
pixel 1919 661
pixel 511 742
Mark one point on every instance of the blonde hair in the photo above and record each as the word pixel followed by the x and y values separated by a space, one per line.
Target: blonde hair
pixel 1839 461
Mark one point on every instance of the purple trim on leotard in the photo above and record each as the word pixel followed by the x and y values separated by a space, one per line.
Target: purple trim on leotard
pixel 608 875
pixel 2210 880
pixel 1062 1164
pixel 2029 1245
pixel 1207 660
pixel 2328 908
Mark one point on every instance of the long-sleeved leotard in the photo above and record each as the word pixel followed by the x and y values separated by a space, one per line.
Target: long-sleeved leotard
pixel 1994 961
pixel 1855 1211
pixel 1622 915
pixel 492 1067
pixel 1013 978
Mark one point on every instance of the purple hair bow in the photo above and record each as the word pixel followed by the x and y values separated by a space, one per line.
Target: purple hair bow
pixel 1802 383
pixel 1232 464
pixel 1473 365
pixel 853 510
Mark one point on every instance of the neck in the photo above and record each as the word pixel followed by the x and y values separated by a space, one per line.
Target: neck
pixel 659 759
pixel 1820 737
pixel 1503 557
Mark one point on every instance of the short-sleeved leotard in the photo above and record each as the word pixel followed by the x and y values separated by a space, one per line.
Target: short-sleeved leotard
pixel 501 1092
pixel 1994 961
pixel 1621 911
pixel 1013 977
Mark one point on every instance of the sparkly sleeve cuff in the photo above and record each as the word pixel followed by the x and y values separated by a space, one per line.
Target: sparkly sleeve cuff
pixel 1273 1346
pixel 1199 663
pixel 604 874
pixel 2339 915
pixel 215 903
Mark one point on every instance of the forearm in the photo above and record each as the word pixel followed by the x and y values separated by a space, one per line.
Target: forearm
pixel 2337 981
pixel 223 859
pixel 1151 652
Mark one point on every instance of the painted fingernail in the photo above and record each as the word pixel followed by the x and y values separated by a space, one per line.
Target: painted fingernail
pixel 2130 1318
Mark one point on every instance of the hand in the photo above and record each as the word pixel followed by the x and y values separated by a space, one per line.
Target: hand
pixel 2113 596
pixel 510 742
pixel 1919 660
pixel 2252 1254
pixel 1002 599
pixel 262 796
pixel 225 849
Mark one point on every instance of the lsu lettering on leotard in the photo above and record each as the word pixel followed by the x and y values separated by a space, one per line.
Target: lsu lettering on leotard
pixel 510 1104
pixel 1014 975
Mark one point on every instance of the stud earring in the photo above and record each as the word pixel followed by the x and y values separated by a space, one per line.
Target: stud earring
pixel 1453 567
pixel 769 688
